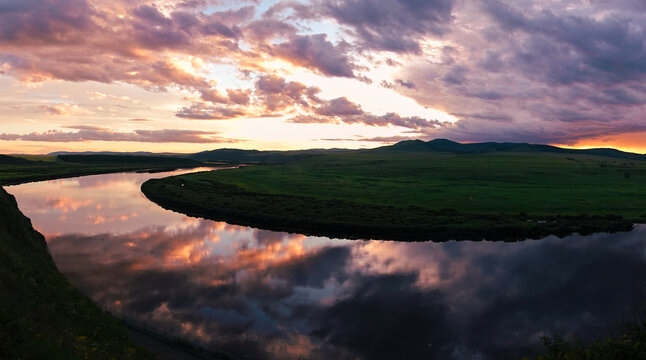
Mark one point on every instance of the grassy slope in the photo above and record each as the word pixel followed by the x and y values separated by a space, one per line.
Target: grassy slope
pixel 416 196
pixel 41 314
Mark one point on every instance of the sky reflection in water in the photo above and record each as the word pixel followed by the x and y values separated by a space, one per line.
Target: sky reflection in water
pixel 264 294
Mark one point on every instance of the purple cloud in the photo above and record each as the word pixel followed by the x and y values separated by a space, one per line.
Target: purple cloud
pixel 316 53
pixel 339 107
pixel 391 25
pixel 199 111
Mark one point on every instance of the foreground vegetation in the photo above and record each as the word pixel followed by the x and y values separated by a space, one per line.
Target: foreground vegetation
pixel 628 344
pixel 417 195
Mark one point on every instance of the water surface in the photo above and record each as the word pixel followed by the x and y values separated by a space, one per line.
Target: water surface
pixel 263 294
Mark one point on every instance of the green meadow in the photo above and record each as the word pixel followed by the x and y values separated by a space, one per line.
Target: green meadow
pixel 420 195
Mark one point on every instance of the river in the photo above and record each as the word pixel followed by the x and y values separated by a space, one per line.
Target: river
pixel 268 295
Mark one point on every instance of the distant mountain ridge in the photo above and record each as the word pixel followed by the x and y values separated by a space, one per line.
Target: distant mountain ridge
pixel 448 146
pixel 135 153
pixel 128 159
pixel 437 146
pixel 258 156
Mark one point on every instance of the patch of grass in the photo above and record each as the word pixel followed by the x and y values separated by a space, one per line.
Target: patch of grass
pixel 37 157
pixel 627 344
pixel 419 196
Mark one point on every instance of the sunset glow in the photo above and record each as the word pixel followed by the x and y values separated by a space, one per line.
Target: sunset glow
pixel 187 76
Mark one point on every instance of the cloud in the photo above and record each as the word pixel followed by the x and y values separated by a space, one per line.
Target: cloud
pixel 415 318
pixel 199 111
pixel 406 84
pixel 34 22
pixel 95 95
pixel 239 96
pixel 489 116
pixel 339 107
pixel 77 40
pixel 86 127
pixel 267 29
pixel 213 96
pixel 536 73
pixel 316 53
pixel 240 289
pixel 544 71
pixel 64 109
pixel 581 48
pixel 396 26
pixel 92 133
pixel 233 96
pixel 273 93
pixel 341 110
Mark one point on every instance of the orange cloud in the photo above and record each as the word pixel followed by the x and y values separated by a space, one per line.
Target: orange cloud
pixel 65 109
pixel 66 204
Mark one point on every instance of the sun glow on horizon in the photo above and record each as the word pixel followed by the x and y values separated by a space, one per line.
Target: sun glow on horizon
pixel 634 142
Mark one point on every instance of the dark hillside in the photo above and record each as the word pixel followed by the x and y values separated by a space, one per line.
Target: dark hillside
pixel 12 160
pixel 452 147
pixel 257 156
pixel 127 159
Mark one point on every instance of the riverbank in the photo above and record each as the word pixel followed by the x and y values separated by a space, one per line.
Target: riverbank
pixel 419 196
pixel 18 170
pixel 41 314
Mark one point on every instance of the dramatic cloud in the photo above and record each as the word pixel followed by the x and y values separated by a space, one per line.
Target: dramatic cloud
pixel 78 40
pixel 315 52
pixel 339 106
pixel 341 110
pixel 275 94
pixel 397 26
pixel 537 74
pixel 560 72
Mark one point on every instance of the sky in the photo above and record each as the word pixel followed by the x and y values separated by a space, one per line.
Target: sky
pixel 193 75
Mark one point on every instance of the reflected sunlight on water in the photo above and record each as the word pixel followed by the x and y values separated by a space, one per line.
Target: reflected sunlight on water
pixel 265 294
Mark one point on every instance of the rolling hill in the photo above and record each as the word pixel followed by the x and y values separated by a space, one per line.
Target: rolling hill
pixel 452 147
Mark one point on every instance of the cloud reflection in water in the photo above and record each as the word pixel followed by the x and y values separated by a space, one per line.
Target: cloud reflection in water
pixel 276 295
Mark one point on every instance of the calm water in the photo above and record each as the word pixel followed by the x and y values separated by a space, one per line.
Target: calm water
pixel 264 294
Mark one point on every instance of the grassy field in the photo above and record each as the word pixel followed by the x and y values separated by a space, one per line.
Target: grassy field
pixel 420 195
pixel 27 168
pixel 627 343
